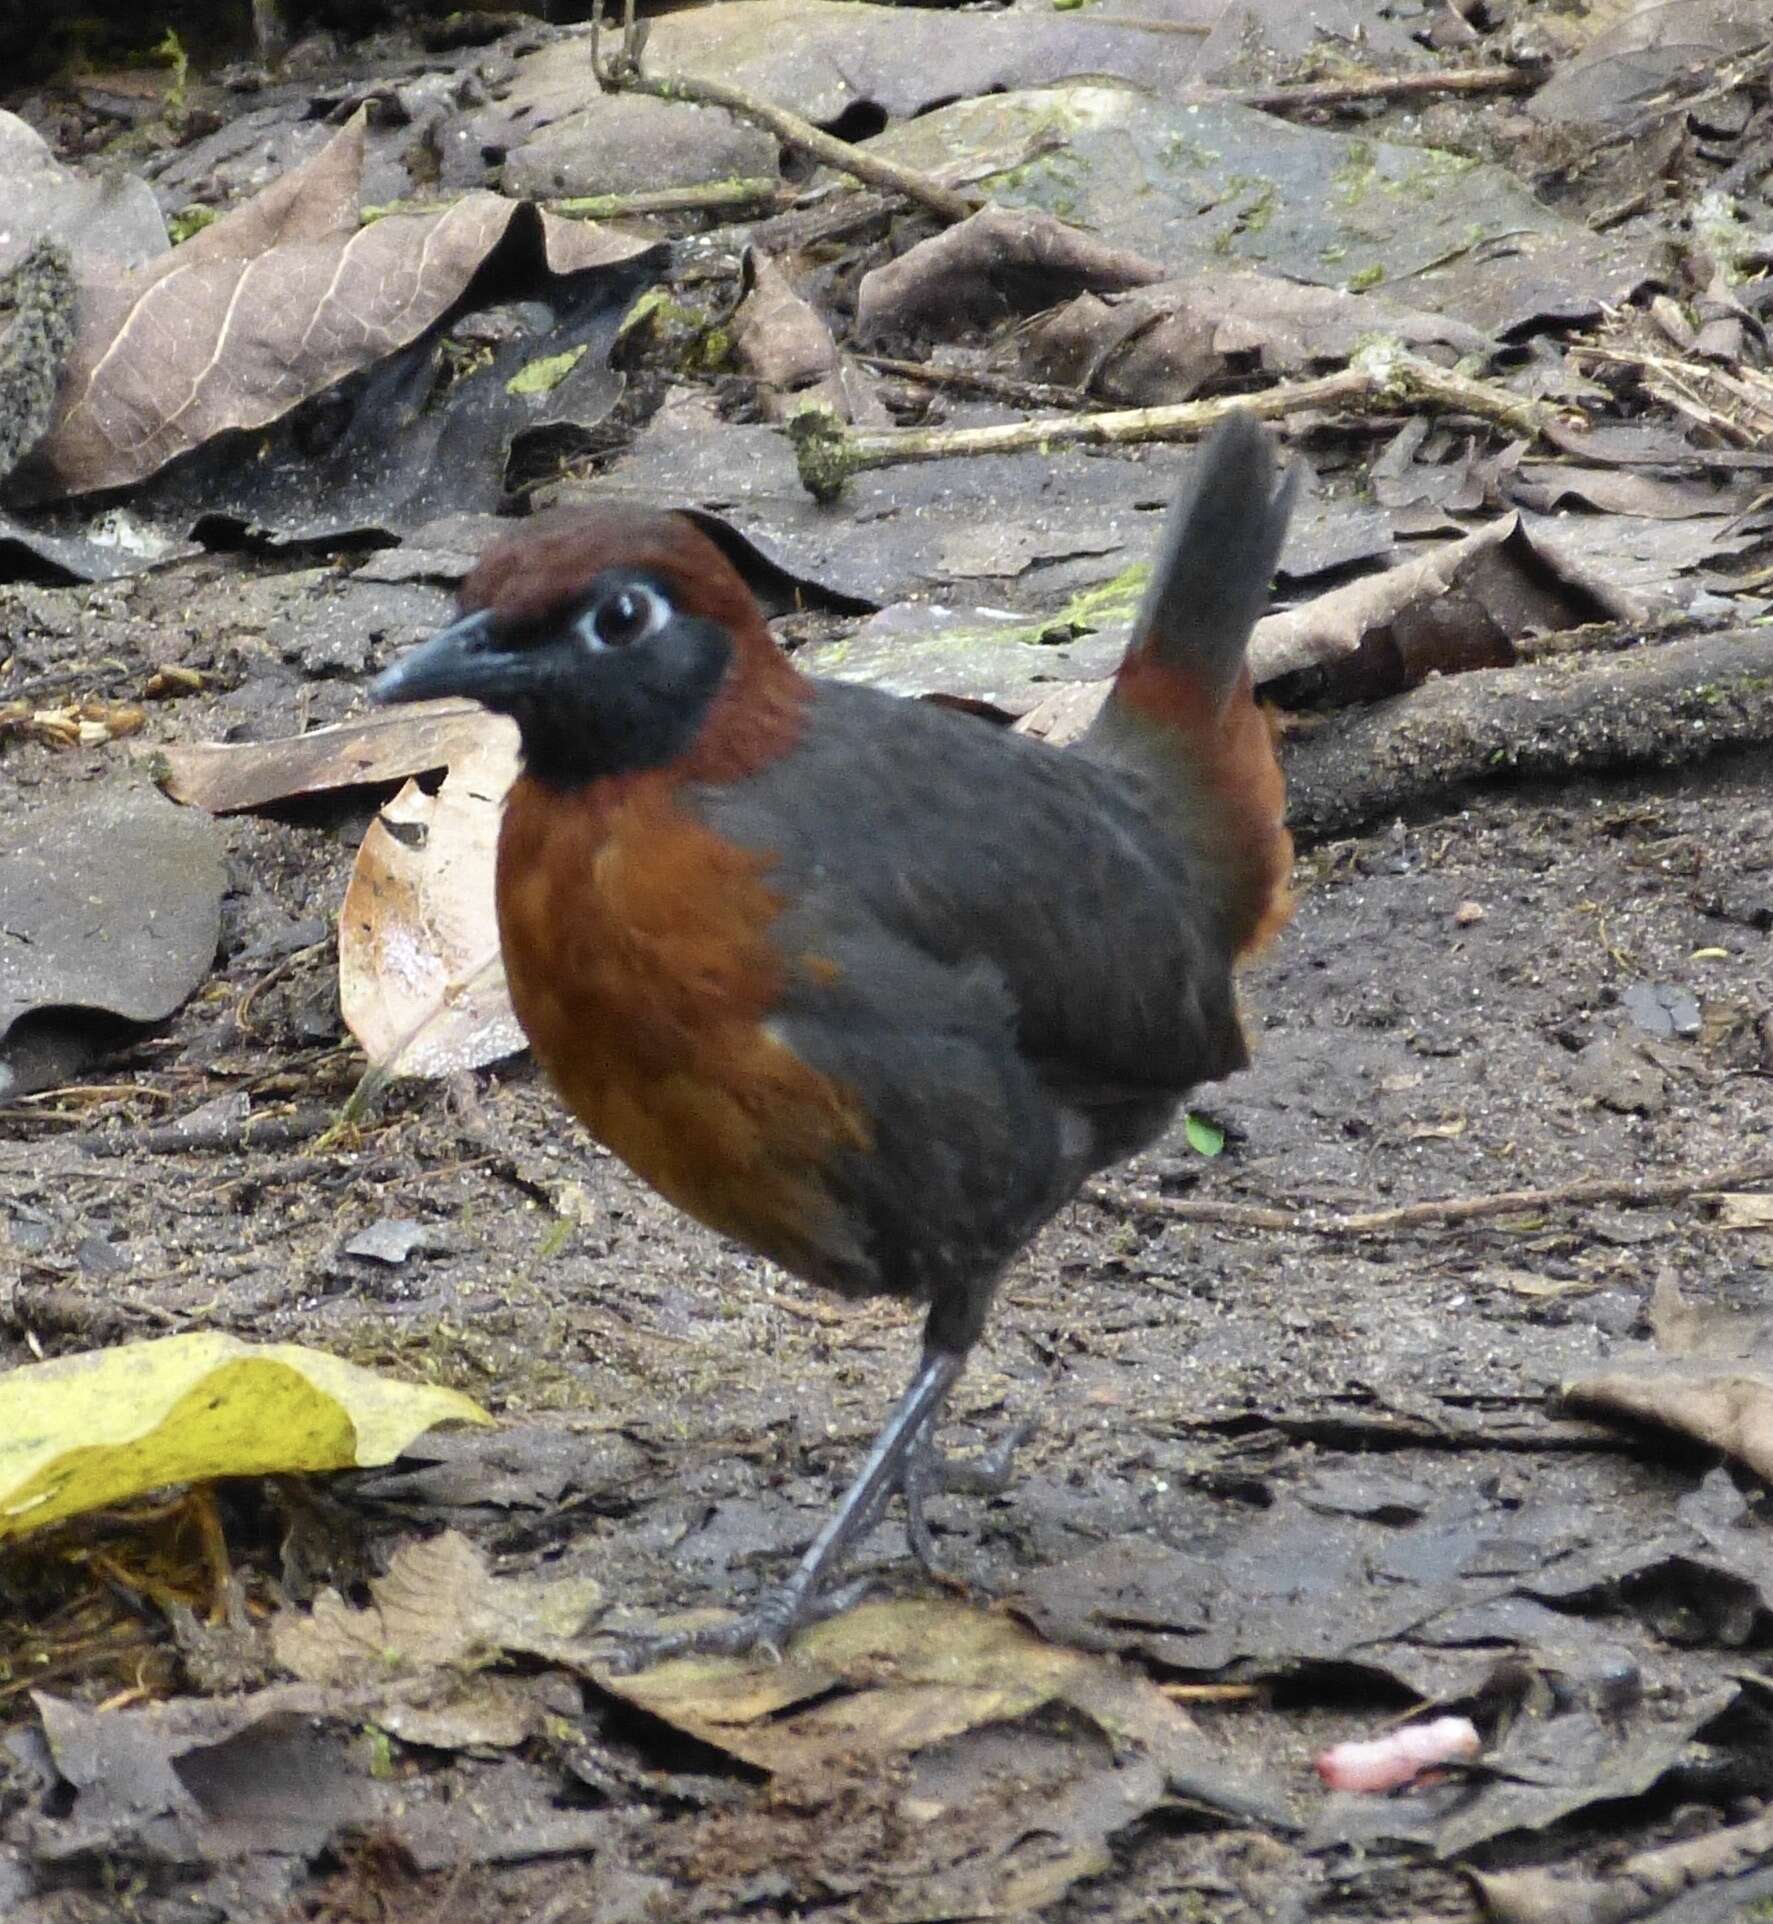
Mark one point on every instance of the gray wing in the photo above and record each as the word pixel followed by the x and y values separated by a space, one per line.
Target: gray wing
pixel 959 844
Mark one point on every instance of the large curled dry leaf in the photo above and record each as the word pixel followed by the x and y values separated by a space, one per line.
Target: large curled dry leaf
pixel 420 982
pixel 268 307
pixel 85 1432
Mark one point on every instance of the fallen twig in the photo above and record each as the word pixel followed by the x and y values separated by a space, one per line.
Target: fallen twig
pixel 219 1134
pixel 709 196
pixel 622 73
pixel 1001 387
pixel 828 454
pixel 1380 86
pixel 1638 1192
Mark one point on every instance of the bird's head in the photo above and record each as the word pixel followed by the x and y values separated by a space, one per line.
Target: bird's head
pixel 619 640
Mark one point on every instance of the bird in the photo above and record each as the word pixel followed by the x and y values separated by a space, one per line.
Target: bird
pixel 870 985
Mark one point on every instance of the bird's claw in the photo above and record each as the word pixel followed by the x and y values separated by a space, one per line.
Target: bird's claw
pixel 763 1632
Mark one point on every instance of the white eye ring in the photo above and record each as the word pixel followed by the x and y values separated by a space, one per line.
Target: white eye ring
pixel 624 616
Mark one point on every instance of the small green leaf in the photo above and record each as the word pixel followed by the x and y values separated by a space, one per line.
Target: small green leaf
pixel 1204 1138
pixel 190 220
pixel 544 375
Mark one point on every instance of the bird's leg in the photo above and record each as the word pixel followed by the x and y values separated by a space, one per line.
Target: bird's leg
pixel 803 1599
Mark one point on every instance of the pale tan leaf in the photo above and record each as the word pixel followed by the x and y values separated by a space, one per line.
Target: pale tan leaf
pixel 917 1672
pixel 420 982
pixel 225 776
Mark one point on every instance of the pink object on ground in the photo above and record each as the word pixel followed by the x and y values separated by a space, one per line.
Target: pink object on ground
pixel 1399 1758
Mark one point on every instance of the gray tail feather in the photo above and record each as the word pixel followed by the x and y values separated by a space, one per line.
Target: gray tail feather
pixel 1220 543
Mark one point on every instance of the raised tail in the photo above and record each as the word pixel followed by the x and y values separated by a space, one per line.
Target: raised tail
pixel 1181 711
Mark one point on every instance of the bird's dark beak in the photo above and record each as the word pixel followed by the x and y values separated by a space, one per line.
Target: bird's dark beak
pixel 462 659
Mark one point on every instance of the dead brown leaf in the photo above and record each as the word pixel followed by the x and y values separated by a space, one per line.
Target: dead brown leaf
pixel 1713 1382
pixel 983 270
pixel 269 306
pixel 438 1606
pixel 1464 605
pixel 785 343
pixel 1745 1212
pixel 226 776
pixel 778 335
pixel 1164 343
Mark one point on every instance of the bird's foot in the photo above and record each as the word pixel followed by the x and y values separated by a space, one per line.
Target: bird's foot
pixel 907 1462
pixel 930 1472
pixel 763 1631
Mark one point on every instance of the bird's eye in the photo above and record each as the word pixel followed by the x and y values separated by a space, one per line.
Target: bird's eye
pixel 626 616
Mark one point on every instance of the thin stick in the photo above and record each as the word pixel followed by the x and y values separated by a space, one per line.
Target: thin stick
pixel 712 196
pixel 1632 1193
pixel 622 74
pixel 827 454
pixel 1002 387
pixel 1397 86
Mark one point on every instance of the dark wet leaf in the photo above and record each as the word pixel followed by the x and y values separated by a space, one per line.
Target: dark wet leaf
pixel 819 58
pixel 1640 1886
pixel 112 904
pixel 565 136
pixel 1537 1772
pixel 198 1780
pixel 38 551
pixel 1546 486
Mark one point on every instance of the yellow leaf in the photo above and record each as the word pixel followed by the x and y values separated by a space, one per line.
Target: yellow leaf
pixel 84 1432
